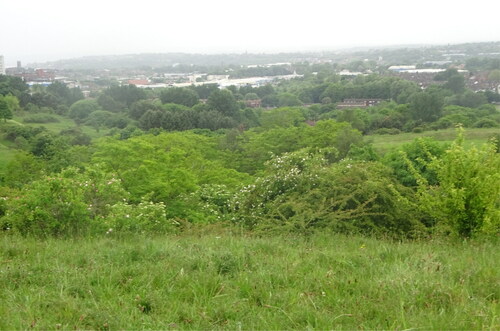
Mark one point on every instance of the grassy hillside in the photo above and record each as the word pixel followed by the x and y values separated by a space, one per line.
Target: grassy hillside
pixel 385 143
pixel 227 281
pixel 7 148
pixel 6 155
pixel 63 124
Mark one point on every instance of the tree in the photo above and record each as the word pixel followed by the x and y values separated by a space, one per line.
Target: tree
pixel 425 106
pixel 82 109
pixel 137 109
pixel 5 111
pixel 402 89
pixel 456 83
pixel 151 119
pixel 64 94
pixel 182 96
pixel 127 94
pixel 223 101
pixel 12 102
pixel 281 117
pixel 288 100
pixel 109 104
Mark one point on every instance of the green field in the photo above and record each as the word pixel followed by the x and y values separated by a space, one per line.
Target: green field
pixel 221 280
pixel 7 149
pixel 63 124
pixel 385 143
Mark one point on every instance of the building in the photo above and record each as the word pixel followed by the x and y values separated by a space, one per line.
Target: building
pixel 256 103
pixel 2 65
pixel 401 68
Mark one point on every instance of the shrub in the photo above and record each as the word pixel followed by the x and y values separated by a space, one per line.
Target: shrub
pixel 418 153
pixel 63 205
pixel 391 131
pixel 40 118
pixel 466 201
pixel 485 123
pixel 302 191
pixel 144 217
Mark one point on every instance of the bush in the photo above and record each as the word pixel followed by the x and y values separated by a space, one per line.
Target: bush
pixel 466 201
pixel 40 118
pixel 144 217
pixel 302 191
pixel 418 153
pixel 485 123
pixel 71 203
pixel 391 131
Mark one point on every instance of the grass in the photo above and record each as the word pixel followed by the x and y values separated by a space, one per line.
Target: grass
pixel 8 150
pixel 237 282
pixel 385 143
pixel 6 154
pixel 63 124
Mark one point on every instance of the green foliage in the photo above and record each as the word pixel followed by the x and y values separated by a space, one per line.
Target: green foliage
pixel 13 86
pixel 418 153
pixel 40 118
pixel 467 99
pixel 166 167
pixel 281 117
pixel 80 110
pixel 101 118
pixel 425 106
pixel 466 201
pixel 223 101
pixel 139 108
pixel 65 95
pixel 108 103
pixel 62 205
pixel 5 110
pixel 12 102
pixel 301 191
pixel 288 100
pixel 145 217
pixel 179 95
pixel 254 148
pixel 211 203
pixel 23 169
pixel 125 94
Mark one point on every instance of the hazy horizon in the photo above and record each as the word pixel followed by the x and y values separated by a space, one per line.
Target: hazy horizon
pixel 34 31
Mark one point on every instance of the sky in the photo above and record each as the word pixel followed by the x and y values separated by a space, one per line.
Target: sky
pixel 42 30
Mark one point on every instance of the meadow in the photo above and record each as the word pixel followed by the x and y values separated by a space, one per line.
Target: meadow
pixel 229 279
pixel 8 148
pixel 474 136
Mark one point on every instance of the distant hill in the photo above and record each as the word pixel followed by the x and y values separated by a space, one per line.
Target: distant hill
pixel 399 54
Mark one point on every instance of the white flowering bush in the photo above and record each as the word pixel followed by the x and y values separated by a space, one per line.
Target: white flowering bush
pixel 302 190
pixel 209 204
pixel 146 216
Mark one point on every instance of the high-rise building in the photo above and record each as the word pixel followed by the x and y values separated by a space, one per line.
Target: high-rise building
pixel 2 66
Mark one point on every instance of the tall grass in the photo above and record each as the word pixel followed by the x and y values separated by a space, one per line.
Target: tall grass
pixel 237 282
pixel 474 136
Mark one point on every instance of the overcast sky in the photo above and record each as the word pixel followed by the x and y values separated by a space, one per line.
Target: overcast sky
pixel 40 30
